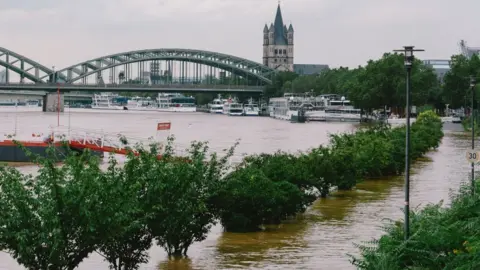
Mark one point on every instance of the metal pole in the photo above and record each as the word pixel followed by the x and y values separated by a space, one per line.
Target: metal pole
pixel 58 106
pixel 409 60
pixel 407 158
pixel 16 117
pixel 472 121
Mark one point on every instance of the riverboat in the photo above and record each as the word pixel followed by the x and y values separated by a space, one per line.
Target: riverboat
pixel 175 102
pixel 292 107
pixel 251 108
pixel 142 104
pixel 216 106
pixel 334 108
pixel 232 107
pixel 106 101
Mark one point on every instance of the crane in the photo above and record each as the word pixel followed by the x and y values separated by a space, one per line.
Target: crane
pixel 468 51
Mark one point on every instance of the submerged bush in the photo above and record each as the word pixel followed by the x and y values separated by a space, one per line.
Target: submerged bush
pixel 441 238
pixel 373 152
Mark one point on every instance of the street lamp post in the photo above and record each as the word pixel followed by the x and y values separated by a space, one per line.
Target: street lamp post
pixel 472 123
pixel 408 52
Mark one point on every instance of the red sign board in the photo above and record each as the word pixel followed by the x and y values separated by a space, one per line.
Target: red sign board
pixel 164 126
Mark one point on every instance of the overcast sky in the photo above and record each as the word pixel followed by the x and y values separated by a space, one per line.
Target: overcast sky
pixel 334 32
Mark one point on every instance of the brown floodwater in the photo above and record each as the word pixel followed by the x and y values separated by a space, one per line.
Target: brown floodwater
pixel 319 239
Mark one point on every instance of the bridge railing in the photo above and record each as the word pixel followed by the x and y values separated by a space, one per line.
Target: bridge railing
pixel 146 86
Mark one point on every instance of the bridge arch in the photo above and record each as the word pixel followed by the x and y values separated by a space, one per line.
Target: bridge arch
pixel 236 65
pixel 23 66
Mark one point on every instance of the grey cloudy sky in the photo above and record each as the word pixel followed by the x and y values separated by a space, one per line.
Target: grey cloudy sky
pixel 334 32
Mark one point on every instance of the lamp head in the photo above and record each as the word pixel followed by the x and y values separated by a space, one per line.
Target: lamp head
pixel 408 55
pixel 473 82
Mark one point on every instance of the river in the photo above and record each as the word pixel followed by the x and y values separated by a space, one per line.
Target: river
pixel 320 239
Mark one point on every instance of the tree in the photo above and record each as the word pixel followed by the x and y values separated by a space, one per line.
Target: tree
pixel 457 80
pixel 127 244
pixel 382 83
pixel 177 196
pixel 50 221
pixel 280 78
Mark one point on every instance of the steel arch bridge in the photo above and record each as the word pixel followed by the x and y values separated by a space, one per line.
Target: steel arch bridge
pixel 38 73
pixel 22 65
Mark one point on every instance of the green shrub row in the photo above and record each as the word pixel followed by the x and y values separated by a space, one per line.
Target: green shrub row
pixel 268 188
pixel 55 219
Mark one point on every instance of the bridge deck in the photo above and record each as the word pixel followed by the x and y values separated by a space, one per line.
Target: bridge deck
pixel 131 88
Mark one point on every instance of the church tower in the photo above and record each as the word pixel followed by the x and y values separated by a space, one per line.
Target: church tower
pixel 278 44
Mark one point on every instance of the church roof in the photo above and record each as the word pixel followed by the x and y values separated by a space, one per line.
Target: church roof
pixel 280 37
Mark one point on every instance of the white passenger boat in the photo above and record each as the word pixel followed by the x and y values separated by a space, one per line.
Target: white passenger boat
pixel 288 106
pixel 232 107
pixel 106 101
pixel 335 109
pixel 175 102
pixel 216 106
pixel 251 108
pixel 142 104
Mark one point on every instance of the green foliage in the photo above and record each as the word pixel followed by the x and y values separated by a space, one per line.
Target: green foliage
pixel 457 80
pixel 128 239
pixel 441 238
pixel 467 124
pixel 48 221
pixel 278 82
pixel 380 83
pixel 177 196
pixel 268 188
pixel 264 189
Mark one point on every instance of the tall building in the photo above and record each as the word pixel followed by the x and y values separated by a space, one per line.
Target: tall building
pixel 440 67
pixel 278 44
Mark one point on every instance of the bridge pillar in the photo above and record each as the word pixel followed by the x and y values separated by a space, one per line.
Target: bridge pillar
pixel 50 102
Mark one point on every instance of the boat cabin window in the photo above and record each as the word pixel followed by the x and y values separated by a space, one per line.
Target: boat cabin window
pixel 347 111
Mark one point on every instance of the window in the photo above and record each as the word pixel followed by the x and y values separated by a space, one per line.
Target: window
pixel 285 60
pixel 284 51
pixel 275 60
pixel 276 51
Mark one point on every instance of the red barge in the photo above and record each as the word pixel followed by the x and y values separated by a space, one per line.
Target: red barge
pixel 62 138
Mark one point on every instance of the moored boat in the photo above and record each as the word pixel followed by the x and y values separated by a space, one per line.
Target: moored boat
pixel 142 104
pixel 175 102
pixel 251 108
pixel 20 150
pixel 106 101
pixel 232 107
pixel 216 106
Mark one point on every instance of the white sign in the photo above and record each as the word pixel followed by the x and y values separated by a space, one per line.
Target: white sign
pixel 472 156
